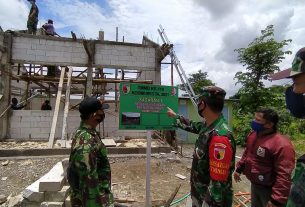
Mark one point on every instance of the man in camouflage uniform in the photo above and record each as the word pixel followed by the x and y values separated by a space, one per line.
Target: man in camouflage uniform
pixel 89 172
pixel 33 18
pixel 214 153
pixel 295 102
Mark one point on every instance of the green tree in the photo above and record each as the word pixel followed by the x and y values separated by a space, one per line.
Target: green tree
pixel 261 58
pixel 197 81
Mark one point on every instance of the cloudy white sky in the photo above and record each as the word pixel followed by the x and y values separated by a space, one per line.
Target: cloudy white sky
pixel 204 32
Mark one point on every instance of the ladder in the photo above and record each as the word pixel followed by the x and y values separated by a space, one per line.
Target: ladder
pixel 178 66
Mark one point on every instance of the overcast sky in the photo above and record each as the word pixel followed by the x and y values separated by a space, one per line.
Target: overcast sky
pixel 204 32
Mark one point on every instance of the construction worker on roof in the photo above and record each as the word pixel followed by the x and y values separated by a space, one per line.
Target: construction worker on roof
pixel 49 28
pixel 33 18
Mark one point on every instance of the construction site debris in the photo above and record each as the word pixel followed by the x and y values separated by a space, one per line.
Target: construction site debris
pixel 109 142
pixel 182 177
pixel 5 163
pixel 3 198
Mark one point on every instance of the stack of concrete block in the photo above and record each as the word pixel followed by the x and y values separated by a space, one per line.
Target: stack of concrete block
pixel 51 190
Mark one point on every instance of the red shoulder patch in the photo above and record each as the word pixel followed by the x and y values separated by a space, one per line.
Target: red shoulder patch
pixel 220 155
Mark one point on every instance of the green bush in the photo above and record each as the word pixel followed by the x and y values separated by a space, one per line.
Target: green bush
pixel 288 125
pixel 241 127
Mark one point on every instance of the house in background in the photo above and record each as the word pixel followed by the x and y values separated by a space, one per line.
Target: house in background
pixel 187 109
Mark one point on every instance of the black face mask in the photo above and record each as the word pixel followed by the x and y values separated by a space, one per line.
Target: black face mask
pixel 200 110
pixel 102 117
pixel 295 103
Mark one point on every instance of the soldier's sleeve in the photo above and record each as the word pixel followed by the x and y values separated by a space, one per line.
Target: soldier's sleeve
pixel 103 169
pixel 87 159
pixel 221 158
pixel 188 125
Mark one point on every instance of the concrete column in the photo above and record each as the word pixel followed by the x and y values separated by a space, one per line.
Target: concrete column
pixel 89 81
pixel 101 35
pixel 6 41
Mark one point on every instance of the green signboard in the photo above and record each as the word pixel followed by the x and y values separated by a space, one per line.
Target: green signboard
pixel 144 106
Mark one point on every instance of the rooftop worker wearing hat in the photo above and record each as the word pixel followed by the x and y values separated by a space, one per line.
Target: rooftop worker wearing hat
pixel 214 153
pixel 33 18
pixel 89 172
pixel 296 104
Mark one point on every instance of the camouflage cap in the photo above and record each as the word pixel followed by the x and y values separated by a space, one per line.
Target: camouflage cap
pixel 298 67
pixel 212 92
pixel 90 105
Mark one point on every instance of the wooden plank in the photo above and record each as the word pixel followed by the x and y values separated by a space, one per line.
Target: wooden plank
pixel 56 110
pixel 172 197
pixel 67 102
pixel 75 80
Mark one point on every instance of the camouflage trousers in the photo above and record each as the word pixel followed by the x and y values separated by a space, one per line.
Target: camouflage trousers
pixel 105 200
pixel 196 202
pixel 32 25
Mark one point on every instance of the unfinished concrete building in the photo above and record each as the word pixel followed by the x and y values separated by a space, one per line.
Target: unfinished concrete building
pixel 33 65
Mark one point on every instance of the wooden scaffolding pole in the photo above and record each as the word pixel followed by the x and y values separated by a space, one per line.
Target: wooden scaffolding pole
pixel 66 111
pixel 76 80
pixel 56 110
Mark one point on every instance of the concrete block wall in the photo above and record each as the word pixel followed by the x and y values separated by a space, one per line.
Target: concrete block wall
pixel 36 124
pixel 125 56
pixel 47 50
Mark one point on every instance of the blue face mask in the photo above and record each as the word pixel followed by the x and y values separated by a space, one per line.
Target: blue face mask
pixel 257 126
pixel 295 103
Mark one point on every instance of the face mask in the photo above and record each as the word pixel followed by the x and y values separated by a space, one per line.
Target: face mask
pixel 295 103
pixel 257 126
pixel 200 110
pixel 101 118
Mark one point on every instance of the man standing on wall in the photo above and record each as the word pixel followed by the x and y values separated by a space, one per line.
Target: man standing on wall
pixel 89 172
pixel 295 102
pixel 267 161
pixel 33 18
pixel 214 153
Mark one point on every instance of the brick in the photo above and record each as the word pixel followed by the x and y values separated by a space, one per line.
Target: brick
pixel 68 202
pixel 40 53
pixel 52 204
pixel 44 124
pixel 58 43
pixel 53 180
pixel 58 196
pixel 40 136
pixel 33 41
pixel 42 41
pixel 25 124
pixel 76 55
pixel 26 203
pixel 31 193
pixel 21 45
pixel 50 42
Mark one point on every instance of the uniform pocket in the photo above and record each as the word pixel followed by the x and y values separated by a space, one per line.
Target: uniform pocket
pixel 261 175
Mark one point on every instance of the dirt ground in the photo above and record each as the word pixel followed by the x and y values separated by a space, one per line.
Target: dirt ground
pixel 128 174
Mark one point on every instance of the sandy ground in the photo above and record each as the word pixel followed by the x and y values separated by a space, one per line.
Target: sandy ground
pixel 128 174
